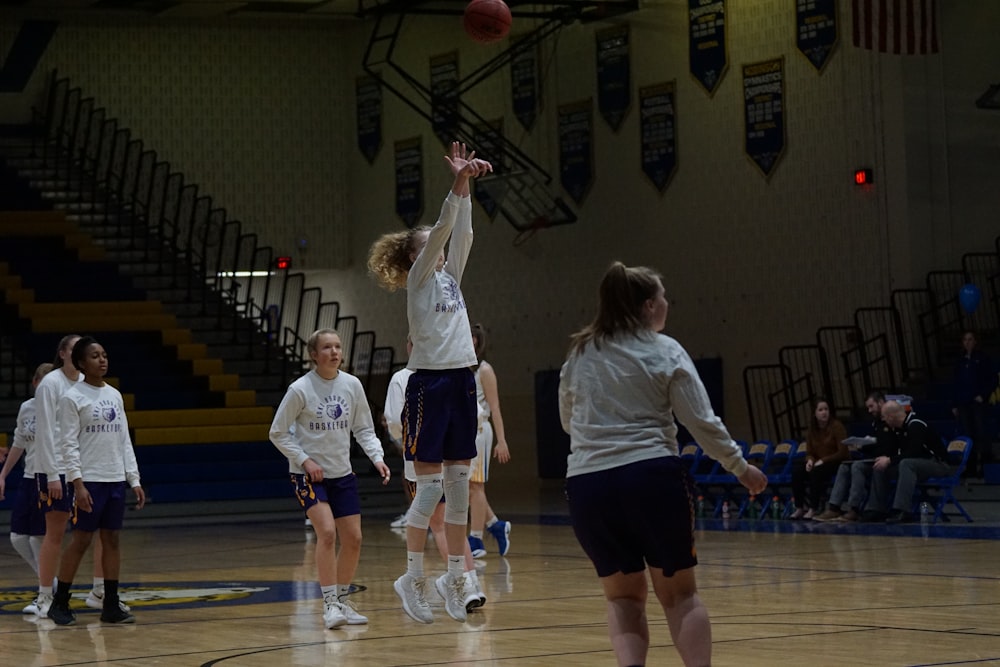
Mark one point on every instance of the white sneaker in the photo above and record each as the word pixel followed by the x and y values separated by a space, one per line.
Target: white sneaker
pixel 42 604
pixel 95 600
pixel 333 615
pixel 472 594
pixel 399 521
pixel 350 612
pixel 32 607
pixel 452 590
pixel 411 591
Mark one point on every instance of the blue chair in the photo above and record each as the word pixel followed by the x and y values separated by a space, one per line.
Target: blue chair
pixel 759 455
pixel 959 450
pixel 779 476
pixel 690 455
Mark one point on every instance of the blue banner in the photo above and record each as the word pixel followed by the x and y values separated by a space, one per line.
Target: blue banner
pixel 524 83
pixel 658 133
pixel 487 144
pixel 763 95
pixel 368 95
pixel 816 28
pixel 576 148
pixel 613 75
pixel 444 97
pixel 707 42
pixel 409 181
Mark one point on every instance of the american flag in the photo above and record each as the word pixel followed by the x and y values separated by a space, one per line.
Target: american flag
pixel 896 26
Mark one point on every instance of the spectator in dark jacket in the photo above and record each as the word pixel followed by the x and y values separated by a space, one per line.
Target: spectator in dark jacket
pixel 918 453
pixel 975 380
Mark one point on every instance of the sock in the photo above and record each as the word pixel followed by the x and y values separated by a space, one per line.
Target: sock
pixel 476 533
pixel 22 545
pixel 62 592
pixel 456 565
pixel 492 520
pixel 343 590
pixel 415 563
pixel 45 590
pixel 110 589
pixel 472 577
pixel 329 593
pixel 99 585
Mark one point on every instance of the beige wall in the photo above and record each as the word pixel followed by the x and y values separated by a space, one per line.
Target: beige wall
pixel 263 119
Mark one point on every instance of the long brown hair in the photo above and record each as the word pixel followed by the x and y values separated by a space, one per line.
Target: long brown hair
pixel 389 257
pixel 623 291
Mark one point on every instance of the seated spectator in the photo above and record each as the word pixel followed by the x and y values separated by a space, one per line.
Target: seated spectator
pixel 854 476
pixel 825 450
pixel 917 453
pixel 975 380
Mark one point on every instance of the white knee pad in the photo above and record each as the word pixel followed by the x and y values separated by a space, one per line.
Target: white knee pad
pixel 425 501
pixel 456 494
pixel 22 545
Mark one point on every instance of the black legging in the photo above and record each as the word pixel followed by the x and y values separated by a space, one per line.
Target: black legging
pixel 818 479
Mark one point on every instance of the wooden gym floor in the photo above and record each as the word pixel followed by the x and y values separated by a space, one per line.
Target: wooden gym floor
pixel 242 593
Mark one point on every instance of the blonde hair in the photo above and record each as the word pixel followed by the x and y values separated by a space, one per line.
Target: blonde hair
pixel 389 258
pixel 623 291
pixel 41 371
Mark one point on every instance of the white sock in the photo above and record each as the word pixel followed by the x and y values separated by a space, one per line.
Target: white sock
pixel 456 565
pixel 491 521
pixel 329 592
pixel 476 533
pixel 99 585
pixel 472 578
pixel 22 545
pixel 415 563
pixel 343 590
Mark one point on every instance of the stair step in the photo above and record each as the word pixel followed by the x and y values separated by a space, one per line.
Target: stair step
pixel 200 417
pixel 179 435
pixel 79 206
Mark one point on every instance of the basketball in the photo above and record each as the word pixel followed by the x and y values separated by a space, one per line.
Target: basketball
pixel 487 20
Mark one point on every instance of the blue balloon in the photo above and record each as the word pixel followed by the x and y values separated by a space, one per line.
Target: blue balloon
pixel 968 297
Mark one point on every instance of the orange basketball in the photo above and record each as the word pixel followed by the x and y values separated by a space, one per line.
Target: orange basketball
pixel 487 20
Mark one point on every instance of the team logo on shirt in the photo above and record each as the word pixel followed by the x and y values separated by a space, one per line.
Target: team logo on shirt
pixel 331 414
pixel 452 302
pixel 104 418
pixel 28 428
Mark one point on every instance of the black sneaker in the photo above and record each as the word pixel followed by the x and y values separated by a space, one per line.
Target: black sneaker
pixel 116 615
pixel 61 613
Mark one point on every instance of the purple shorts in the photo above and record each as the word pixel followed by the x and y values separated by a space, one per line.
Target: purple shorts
pixel 635 515
pixel 107 507
pixel 340 494
pixel 64 504
pixel 26 517
pixel 440 417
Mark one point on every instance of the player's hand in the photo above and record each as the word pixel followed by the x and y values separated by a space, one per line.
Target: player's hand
pixel 383 471
pixel 753 479
pixel 881 463
pixel 501 452
pixel 459 157
pixel 83 499
pixel 312 470
pixel 140 497
pixel 55 490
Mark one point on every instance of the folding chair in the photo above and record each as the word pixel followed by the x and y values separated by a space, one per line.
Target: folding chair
pixel 779 475
pixel 759 455
pixel 959 450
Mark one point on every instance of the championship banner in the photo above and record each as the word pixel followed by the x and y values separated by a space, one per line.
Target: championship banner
pixel 576 148
pixel 896 26
pixel 488 138
pixel 409 181
pixel 368 96
pixel 613 75
pixel 524 83
pixel 707 42
pixel 816 28
pixel 763 95
pixel 444 96
pixel 658 133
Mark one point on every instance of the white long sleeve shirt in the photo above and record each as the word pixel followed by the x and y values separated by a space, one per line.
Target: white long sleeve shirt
pixel 47 396
pixel 24 436
pixel 435 307
pixel 618 405
pixel 315 421
pixel 94 438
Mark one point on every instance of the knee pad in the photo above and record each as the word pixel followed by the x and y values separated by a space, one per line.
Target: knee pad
pixel 456 494
pixel 425 501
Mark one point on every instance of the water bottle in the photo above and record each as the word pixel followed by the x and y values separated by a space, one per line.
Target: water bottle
pixel 725 509
pixel 925 512
pixel 700 509
pixel 776 508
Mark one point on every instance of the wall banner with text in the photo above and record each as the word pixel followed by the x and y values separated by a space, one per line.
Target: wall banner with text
pixel 368 95
pixel 576 148
pixel 658 133
pixel 614 88
pixel 526 99
pixel 707 42
pixel 409 181
pixel 763 97
pixel 816 28
pixel 488 139
pixel 444 97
